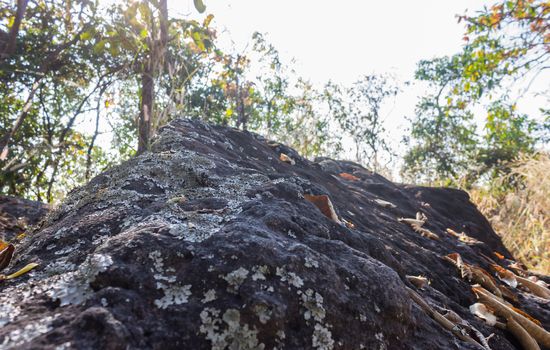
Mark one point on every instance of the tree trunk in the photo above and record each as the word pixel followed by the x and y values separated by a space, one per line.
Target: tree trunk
pixel 155 62
pixel 146 108
pixel 9 47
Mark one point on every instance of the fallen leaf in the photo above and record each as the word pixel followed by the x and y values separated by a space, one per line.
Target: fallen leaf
pixel 462 237
pixel 498 255
pixel 525 339
pixel 505 276
pixel 531 325
pixel 284 158
pixel 324 204
pixel 22 271
pixel 445 323
pixel 348 224
pixel 418 281
pixel 349 177
pixel 417 223
pixel 385 204
pixel 482 311
pixel 534 288
pixel 5 255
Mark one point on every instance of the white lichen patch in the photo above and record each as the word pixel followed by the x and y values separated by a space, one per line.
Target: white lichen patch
pixel 260 272
pixel 291 277
pixel 32 330
pixel 263 313
pixel 322 338
pixel 313 303
pixel 74 287
pixel 209 296
pixel 173 295
pixel 309 262
pixel 235 279
pixel 234 335
pixel 8 313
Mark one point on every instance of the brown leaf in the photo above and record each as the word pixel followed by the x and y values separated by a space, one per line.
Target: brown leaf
pixel 349 177
pixel 531 325
pixel 462 237
pixel 418 281
pixel 504 275
pixel 284 158
pixel 534 288
pixel 5 255
pixel 324 204
pixel 525 339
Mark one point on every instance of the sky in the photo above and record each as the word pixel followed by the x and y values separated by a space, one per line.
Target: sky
pixel 344 39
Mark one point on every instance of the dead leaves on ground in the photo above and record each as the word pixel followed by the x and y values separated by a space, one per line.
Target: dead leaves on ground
pixel 492 306
pixel 462 330
pixel 417 224
pixel 525 328
pixel 473 273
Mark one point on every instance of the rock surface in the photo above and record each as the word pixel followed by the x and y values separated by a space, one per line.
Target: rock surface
pixel 17 214
pixel 207 242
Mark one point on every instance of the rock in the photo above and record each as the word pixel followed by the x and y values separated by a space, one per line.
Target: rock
pixel 16 214
pixel 207 242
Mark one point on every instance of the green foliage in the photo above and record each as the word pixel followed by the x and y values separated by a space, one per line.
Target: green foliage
pixel 357 110
pixel 504 43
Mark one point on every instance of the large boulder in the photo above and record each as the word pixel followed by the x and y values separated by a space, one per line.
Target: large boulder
pixel 207 242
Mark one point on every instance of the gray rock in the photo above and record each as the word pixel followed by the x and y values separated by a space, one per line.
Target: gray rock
pixel 206 242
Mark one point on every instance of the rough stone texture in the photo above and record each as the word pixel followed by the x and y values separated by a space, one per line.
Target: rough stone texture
pixel 17 214
pixel 206 242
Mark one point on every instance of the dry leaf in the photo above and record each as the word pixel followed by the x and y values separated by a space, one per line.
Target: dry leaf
pixel 284 158
pixel 473 273
pixel 445 323
pixel 5 255
pixel 463 237
pixel 518 268
pixel 420 220
pixel 324 204
pixel 418 281
pixel 384 203
pixel 506 276
pixel 349 177
pixel 482 277
pixel 525 339
pixel 527 322
pixel 534 288
pixel 348 224
pixel 483 312
pixel 508 294
pixel 424 232
pixel 16 274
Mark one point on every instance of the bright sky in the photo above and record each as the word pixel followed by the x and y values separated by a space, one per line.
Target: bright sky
pixel 341 40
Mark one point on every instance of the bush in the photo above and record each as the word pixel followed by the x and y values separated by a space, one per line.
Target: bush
pixel 518 206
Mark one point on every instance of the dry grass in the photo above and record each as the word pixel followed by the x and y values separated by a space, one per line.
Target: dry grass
pixel 520 215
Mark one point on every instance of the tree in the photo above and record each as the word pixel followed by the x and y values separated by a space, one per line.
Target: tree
pixel 48 82
pixel 357 110
pixel 442 132
pixel 504 43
